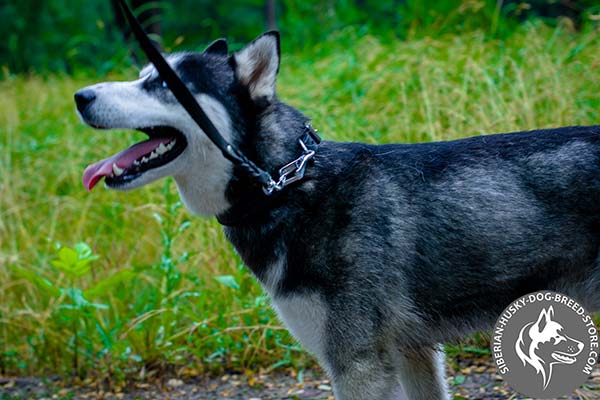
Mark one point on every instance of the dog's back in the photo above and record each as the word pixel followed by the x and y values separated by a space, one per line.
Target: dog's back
pixel 496 217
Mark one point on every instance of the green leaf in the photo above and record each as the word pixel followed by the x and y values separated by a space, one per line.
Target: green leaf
pixel 184 226
pixel 98 306
pixel 280 364
pixel 458 380
pixel 68 257
pixel 261 301
pixel 74 261
pixel 79 300
pixel 189 294
pixel 76 297
pixel 107 339
pixel 60 265
pixel 476 350
pixel 229 281
pixel 36 279
pixel 81 267
pixel 184 257
pixel 107 285
pixel 84 253
pixel 157 217
pixel 83 250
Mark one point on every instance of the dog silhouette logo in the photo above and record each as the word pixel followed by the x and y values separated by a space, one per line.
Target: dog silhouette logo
pixel 545 345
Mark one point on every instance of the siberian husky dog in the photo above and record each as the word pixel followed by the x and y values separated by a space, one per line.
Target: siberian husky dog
pixel 380 253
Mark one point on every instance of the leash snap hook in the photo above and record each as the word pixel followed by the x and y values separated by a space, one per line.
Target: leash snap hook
pixel 291 172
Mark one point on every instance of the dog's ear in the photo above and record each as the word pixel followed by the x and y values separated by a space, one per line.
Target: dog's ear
pixel 544 318
pixel 218 47
pixel 257 64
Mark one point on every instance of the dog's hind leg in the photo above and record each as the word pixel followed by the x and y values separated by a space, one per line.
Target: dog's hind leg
pixel 423 374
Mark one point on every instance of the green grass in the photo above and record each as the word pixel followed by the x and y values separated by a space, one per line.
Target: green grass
pixel 166 291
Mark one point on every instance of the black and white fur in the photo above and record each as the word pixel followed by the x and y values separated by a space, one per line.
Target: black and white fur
pixel 381 253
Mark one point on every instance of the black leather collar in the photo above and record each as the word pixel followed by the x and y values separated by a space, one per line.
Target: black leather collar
pixel 252 201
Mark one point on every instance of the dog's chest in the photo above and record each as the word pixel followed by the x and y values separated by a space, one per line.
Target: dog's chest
pixel 304 316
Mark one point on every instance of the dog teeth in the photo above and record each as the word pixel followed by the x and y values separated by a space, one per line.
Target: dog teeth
pixel 160 150
pixel 116 170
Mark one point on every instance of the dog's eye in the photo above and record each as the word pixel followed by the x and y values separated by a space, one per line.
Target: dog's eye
pixel 558 339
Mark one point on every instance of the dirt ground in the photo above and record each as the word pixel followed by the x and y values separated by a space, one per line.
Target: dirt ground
pixel 467 379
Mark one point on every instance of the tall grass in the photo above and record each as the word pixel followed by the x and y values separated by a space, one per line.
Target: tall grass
pixel 158 288
pixel 64 36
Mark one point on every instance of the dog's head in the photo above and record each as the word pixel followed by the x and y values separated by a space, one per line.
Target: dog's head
pixel 229 89
pixel 544 343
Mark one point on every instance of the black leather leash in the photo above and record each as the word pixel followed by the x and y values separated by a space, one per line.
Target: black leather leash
pixel 189 103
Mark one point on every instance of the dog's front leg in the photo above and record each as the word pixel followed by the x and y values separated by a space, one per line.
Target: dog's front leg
pixel 423 375
pixel 419 375
pixel 367 378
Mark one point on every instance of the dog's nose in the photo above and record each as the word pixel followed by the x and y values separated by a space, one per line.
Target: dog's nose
pixel 83 98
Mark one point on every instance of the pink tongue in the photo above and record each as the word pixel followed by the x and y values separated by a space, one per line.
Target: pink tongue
pixel 124 159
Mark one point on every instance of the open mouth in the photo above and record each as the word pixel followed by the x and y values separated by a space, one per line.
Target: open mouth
pixel 163 146
pixel 563 358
